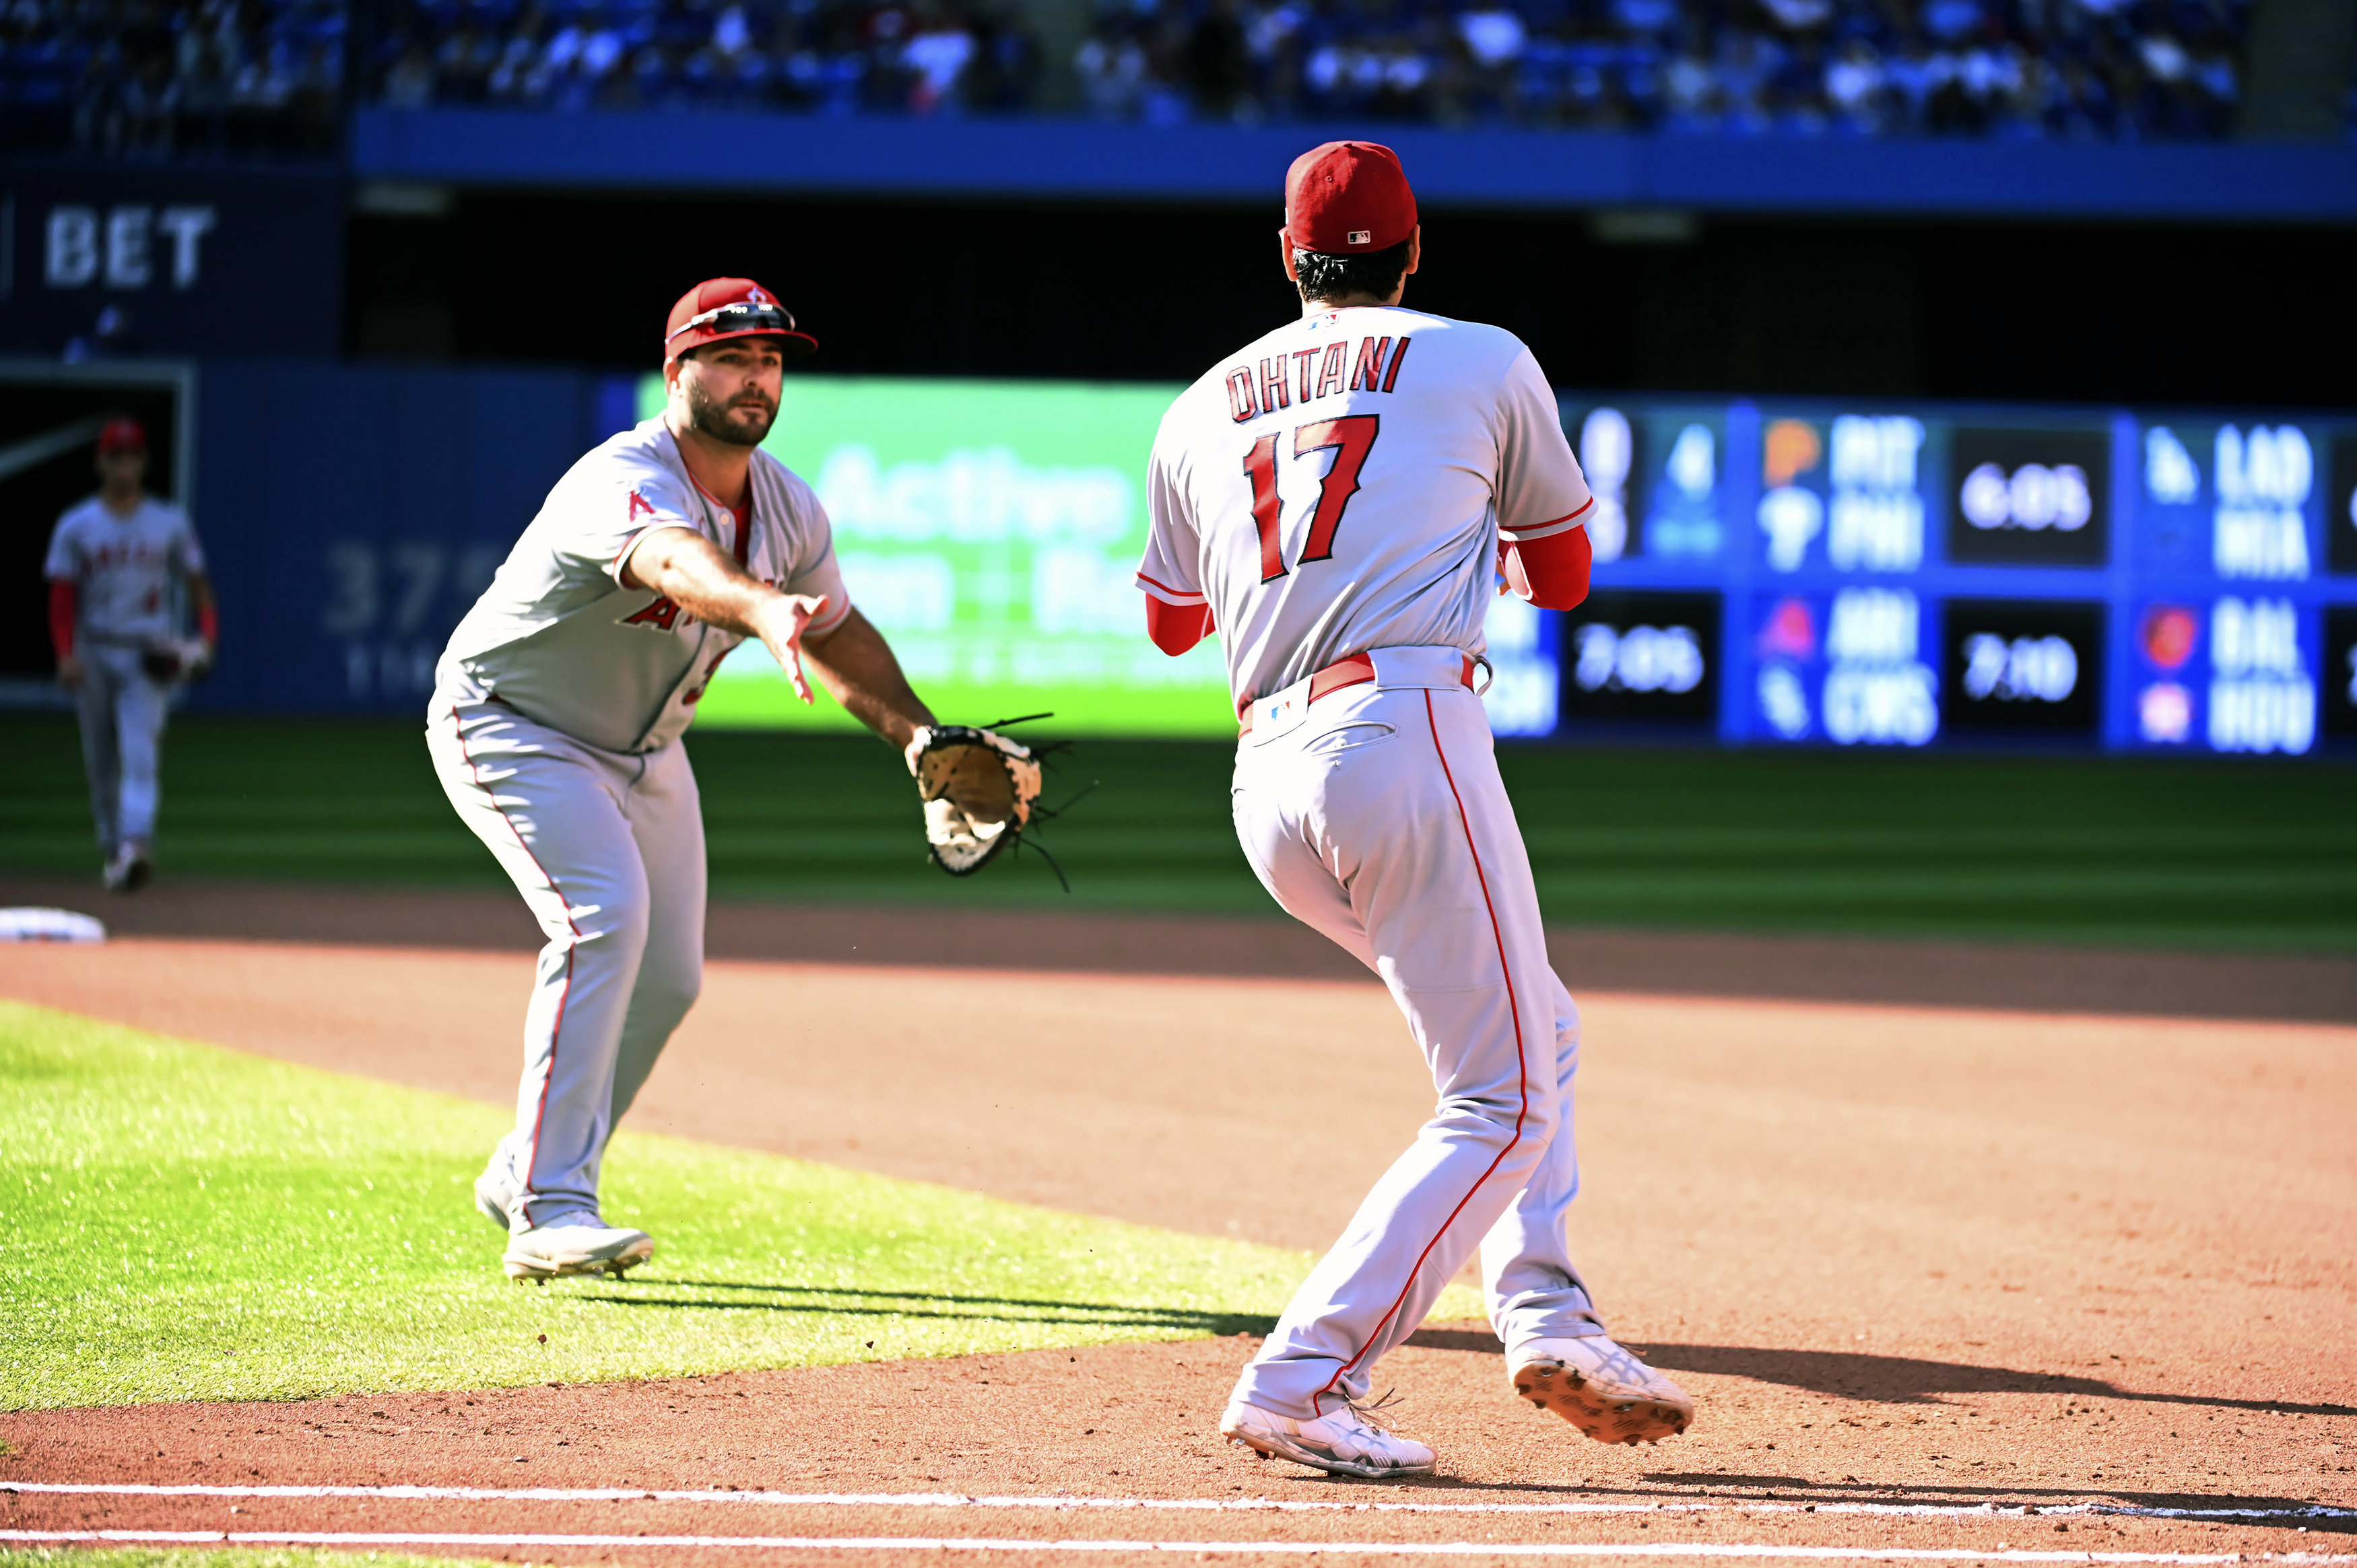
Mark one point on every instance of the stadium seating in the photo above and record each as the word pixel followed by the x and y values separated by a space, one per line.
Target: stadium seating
pixel 138 76
pixel 2100 69
pixel 145 75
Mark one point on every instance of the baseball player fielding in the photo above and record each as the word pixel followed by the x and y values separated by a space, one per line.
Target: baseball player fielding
pixel 555 729
pixel 112 565
pixel 1338 500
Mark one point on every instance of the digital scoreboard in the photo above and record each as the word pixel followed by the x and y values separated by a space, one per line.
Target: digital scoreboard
pixel 1942 574
pixel 1779 571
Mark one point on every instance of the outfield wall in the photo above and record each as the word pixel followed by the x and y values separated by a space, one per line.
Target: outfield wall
pixel 1770 573
pixel 991 158
pixel 353 514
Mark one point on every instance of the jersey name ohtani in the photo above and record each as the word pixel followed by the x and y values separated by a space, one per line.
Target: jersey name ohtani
pixel 1345 482
pixel 1316 372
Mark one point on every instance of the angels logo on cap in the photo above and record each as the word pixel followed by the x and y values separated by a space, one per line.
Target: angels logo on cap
pixel 721 308
pixel 1346 197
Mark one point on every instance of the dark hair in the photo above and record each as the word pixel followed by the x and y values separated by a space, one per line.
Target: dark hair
pixel 1338 277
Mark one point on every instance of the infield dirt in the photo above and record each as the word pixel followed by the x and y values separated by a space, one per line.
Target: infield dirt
pixel 1901 1256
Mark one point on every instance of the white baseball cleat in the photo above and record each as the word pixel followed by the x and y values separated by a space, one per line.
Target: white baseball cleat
pixel 1349 1442
pixel 575 1244
pixel 1600 1389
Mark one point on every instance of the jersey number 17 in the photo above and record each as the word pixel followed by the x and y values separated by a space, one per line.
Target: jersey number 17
pixel 1353 436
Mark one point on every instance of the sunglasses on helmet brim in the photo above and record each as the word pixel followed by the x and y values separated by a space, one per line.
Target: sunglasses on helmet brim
pixel 737 318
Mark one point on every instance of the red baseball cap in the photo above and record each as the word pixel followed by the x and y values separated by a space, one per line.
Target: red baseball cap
pixel 1348 199
pixel 720 309
pixel 122 434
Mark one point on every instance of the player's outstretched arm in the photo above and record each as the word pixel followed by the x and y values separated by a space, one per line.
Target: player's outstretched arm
pixel 690 570
pixel 857 668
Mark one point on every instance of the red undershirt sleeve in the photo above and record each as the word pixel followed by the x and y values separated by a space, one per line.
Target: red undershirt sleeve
pixel 1175 629
pixel 1177 612
pixel 62 604
pixel 1550 573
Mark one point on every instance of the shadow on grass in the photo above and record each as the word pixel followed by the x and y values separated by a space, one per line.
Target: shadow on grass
pixel 848 1302
pixel 1886 1379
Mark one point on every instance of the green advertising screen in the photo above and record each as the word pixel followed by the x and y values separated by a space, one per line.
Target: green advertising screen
pixel 991 530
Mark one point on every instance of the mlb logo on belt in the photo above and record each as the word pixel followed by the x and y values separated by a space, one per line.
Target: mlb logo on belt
pixel 1279 714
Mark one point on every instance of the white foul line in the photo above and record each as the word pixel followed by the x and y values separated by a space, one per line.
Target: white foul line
pixel 1290 1548
pixel 1177 1505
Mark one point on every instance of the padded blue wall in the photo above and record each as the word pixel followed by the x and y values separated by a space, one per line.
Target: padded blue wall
pixel 1053 159
pixel 353 513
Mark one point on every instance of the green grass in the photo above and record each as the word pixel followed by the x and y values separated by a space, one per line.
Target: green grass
pixel 2231 853
pixel 178 1221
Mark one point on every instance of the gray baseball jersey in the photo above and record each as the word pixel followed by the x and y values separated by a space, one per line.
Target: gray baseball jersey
pixel 122 566
pixel 560 639
pixel 1341 484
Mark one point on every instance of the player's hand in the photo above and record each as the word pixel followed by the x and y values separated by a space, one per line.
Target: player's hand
pixel 69 673
pixel 784 622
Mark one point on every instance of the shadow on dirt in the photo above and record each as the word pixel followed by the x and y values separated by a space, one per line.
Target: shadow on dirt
pixel 851 1303
pixel 2233 1509
pixel 1886 1379
pixel 1674 1487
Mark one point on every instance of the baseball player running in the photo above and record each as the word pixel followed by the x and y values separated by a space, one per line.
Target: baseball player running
pixel 111 564
pixel 1334 499
pixel 556 728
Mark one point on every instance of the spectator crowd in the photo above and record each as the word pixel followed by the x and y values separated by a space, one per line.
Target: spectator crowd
pixel 133 76
pixel 2106 69
pixel 839 57
pixel 153 77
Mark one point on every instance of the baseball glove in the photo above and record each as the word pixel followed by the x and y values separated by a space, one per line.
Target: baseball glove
pixel 979 788
pixel 170 658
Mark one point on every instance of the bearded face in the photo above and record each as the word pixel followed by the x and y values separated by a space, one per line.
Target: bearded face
pixel 741 416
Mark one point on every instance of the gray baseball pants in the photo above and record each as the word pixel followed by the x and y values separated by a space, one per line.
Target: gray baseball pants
pixel 122 741
pixel 608 851
pixel 1382 822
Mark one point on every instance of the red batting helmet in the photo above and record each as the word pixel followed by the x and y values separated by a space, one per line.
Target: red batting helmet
pixel 1348 199
pixel 719 308
pixel 122 434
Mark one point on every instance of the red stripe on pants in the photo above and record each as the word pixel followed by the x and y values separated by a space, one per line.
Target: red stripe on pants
pixel 1522 1066
pixel 565 990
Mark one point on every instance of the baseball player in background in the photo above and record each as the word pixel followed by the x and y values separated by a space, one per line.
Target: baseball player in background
pixel 1337 500
pixel 111 567
pixel 555 727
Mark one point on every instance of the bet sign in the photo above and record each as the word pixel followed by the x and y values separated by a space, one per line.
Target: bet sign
pixel 131 261
pixel 134 246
